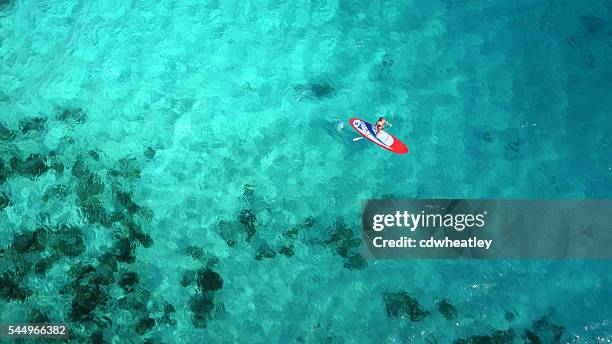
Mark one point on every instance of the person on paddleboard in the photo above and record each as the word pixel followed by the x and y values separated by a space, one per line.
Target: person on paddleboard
pixel 380 125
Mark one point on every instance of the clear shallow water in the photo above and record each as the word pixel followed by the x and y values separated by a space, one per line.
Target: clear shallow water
pixel 156 115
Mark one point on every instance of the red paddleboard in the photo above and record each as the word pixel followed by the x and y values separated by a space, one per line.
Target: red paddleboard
pixel 383 139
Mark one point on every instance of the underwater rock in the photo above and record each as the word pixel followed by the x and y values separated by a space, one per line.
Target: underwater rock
pixel 386 62
pixel 68 240
pixel 33 124
pixel 94 211
pixel 137 233
pixel 125 199
pixel 33 166
pixel 248 191
pixel 10 289
pixel 355 262
pixel 128 281
pixel 29 241
pixel 309 222
pixel 592 24
pixel 90 184
pixel 107 266
pixel 228 232
pixel 510 315
pixel 265 251
pixel 247 219
pixel 194 251
pixel 58 167
pixel 79 168
pixel 94 155
pixel 322 90
pixel 209 280
pixel 149 152
pixel 77 115
pixel 124 250
pixel 145 325
pixel 513 146
pixel 446 309
pixel 35 316
pixel 127 168
pixel 97 337
pixel 496 337
pixel 342 240
pixel 315 89
pixel 6 134
pixel 169 310
pixel 201 304
pixel 402 304
pixel 4 172
pixel 543 331
pixel 89 293
pixel 44 264
pixel 292 233
pixel 189 278
pixel 287 250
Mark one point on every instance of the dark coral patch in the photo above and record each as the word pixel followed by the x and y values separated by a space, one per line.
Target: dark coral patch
pixel 209 280
pixel 169 310
pixel 33 166
pixel 4 200
pixel 446 309
pixel 287 250
pixel 543 331
pixel 5 172
pixel 88 185
pixel 68 240
pixel 145 325
pixel 6 134
pixel 229 231
pixel 29 241
pixel 36 316
pixel 76 115
pixel 33 124
pixel 128 281
pixel 90 292
pixel 322 90
pixel 592 24
pixel 496 337
pixel 265 251
pixel 248 191
pixel 125 200
pixel 137 233
pixel 402 304
pixel 355 262
pixel 149 152
pixel 79 168
pixel 44 264
pixel 247 219
pixel 10 288
pixel 124 250
pixel 201 305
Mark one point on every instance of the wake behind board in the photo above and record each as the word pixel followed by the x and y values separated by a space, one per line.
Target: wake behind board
pixel 383 139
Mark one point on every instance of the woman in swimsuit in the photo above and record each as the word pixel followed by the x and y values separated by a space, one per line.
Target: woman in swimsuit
pixel 380 125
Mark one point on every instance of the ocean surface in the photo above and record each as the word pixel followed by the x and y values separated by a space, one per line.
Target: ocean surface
pixel 184 171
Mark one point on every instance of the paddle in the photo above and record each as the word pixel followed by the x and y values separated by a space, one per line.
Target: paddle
pixel 360 137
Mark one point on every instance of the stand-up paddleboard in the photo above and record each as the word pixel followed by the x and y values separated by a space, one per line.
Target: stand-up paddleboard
pixel 383 139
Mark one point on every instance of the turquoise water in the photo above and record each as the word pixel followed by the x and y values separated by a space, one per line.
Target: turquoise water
pixel 185 172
